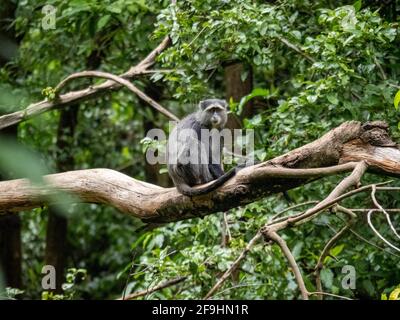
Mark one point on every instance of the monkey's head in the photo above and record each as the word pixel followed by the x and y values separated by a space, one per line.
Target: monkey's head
pixel 213 113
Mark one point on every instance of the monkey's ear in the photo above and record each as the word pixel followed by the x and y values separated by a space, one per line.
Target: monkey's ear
pixel 202 105
pixel 225 104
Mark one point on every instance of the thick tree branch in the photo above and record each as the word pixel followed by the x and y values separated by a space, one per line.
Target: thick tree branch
pixel 154 204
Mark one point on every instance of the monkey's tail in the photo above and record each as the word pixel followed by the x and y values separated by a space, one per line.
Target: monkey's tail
pixel 190 191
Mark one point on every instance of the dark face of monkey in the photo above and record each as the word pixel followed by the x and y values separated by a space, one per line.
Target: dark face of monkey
pixel 212 113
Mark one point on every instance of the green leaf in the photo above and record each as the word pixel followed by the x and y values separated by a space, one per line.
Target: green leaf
pixel 397 100
pixel 257 60
pixel 103 21
pixel 193 267
pixel 156 76
pixel 244 75
pixel 357 5
pixel 257 92
pixel 312 98
pixel 327 278
pixel 336 250
pixel 395 294
pixel 369 287
pixel 332 98
pixel 296 251
pixel 114 8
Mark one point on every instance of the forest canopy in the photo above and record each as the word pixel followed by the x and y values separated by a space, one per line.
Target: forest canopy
pixel 83 82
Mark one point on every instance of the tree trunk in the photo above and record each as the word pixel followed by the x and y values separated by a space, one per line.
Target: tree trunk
pixel 10 226
pixel 235 89
pixel 10 250
pixel 57 225
pixel 56 236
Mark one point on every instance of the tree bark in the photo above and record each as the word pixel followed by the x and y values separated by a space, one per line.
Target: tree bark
pixel 10 250
pixel 235 89
pixel 57 224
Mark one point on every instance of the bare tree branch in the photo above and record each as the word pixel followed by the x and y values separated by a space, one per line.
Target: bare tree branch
pixel 360 237
pixel 375 230
pixel 384 211
pixel 269 234
pixel 276 216
pixel 160 286
pixel 335 196
pixel 121 81
pixel 71 97
pixel 154 204
pixel 297 49
pixel 328 294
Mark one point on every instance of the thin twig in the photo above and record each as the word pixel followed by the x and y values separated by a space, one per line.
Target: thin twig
pixel 296 48
pixel 160 286
pixel 226 232
pixel 384 212
pixel 394 85
pixel 382 72
pixel 273 218
pixel 360 237
pixel 329 294
pixel 239 286
pixel 325 253
pixel 129 274
pixel 197 35
pixel 378 234
pixel 387 188
pixel 368 209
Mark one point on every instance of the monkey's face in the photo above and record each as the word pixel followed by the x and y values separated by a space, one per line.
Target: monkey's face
pixel 216 116
pixel 213 113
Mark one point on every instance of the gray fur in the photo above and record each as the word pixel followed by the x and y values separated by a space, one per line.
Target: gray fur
pixel 212 114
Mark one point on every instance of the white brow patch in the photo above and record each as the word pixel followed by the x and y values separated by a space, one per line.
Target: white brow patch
pixel 214 106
